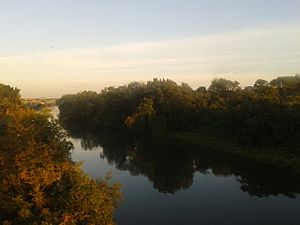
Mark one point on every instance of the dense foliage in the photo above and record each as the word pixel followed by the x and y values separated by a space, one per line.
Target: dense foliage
pixel 39 184
pixel 267 113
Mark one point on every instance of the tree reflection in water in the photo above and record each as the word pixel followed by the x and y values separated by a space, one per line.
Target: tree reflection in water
pixel 171 167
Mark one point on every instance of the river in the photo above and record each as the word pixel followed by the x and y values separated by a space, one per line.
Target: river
pixel 164 184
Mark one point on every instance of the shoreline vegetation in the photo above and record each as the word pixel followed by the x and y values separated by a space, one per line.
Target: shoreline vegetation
pixel 39 103
pixel 275 160
pixel 259 124
pixel 39 183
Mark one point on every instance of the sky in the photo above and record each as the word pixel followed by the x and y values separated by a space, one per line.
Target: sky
pixel 53 47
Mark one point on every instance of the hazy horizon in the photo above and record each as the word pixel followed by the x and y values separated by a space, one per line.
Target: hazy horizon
pixel 53 48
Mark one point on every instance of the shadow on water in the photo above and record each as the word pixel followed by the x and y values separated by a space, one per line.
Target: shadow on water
pixel 171 168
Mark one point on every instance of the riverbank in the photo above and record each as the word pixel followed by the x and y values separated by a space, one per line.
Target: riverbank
pixel 278 159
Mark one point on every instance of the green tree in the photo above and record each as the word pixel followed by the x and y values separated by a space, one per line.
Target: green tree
pixel 39 184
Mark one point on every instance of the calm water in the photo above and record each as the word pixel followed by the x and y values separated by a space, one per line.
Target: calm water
pixel 164 184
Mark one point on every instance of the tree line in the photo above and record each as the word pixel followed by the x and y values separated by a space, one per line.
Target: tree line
pixel 264 114
pixel 39 184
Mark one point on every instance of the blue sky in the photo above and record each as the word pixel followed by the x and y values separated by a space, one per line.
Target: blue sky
pixel 53 47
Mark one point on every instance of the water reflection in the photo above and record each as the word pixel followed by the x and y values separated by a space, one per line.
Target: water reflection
pixel 171 168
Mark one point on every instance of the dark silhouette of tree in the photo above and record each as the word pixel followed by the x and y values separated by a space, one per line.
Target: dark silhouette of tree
pixel 265 114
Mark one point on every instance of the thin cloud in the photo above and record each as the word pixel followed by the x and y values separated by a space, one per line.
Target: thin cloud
pixel 244 55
